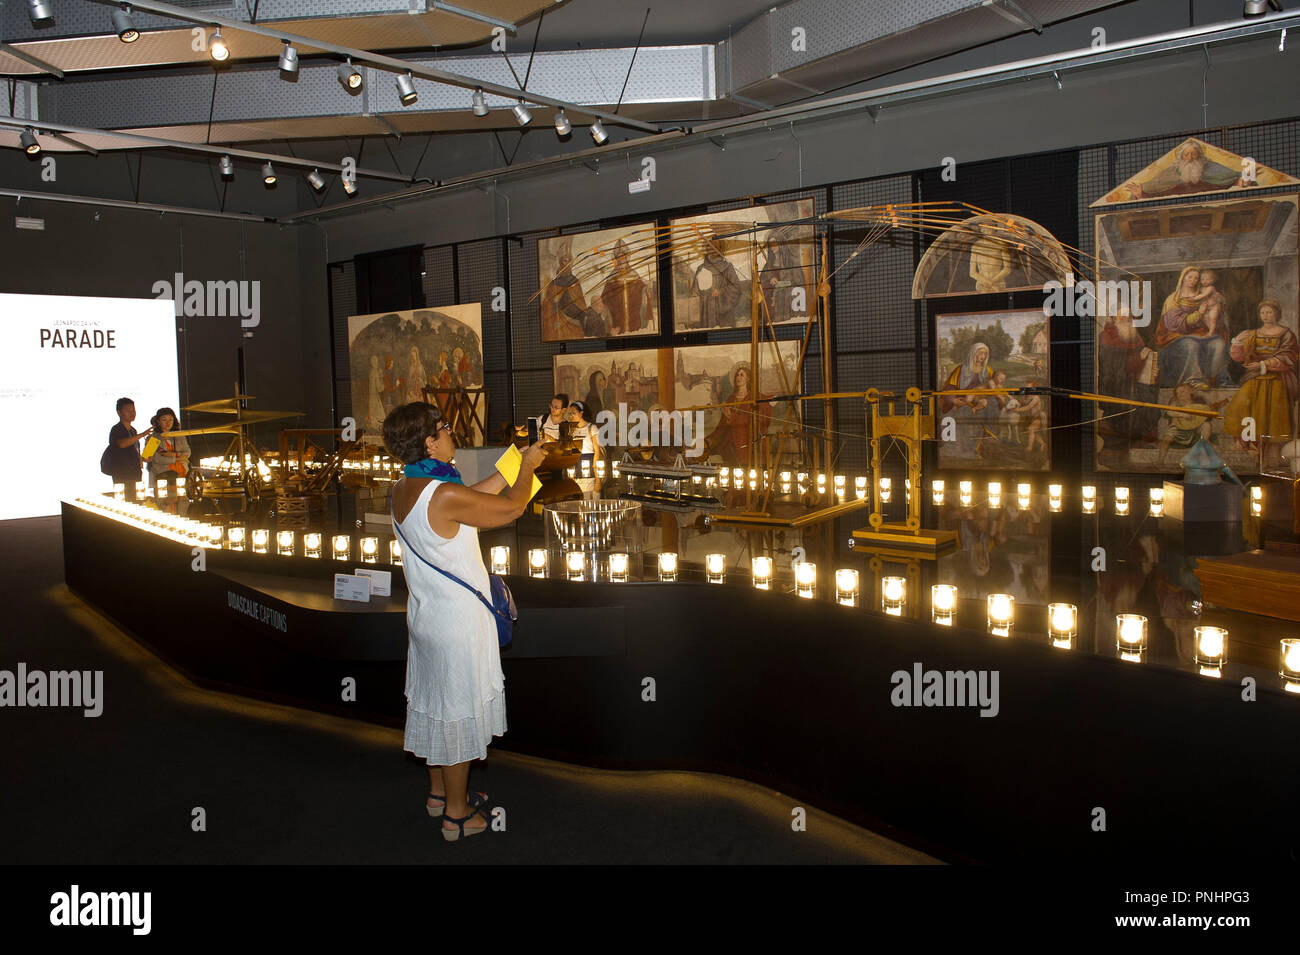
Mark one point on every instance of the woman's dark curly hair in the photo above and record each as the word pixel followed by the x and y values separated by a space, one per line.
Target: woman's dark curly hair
pixel 407 426
pixel 176 421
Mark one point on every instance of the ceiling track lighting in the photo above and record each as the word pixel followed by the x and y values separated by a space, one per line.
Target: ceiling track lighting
pixel 39 10
pixel 522 115
pixel 562 125
pixel 480 103
pixel 268 174
pixel 217 48
pixel 30 144
pixel 349 75
pixel 598 133
pixel 1257 8
pixel 124 26
pixel 227 167
pixel 289 59
pixel 406 89
pixel 316 179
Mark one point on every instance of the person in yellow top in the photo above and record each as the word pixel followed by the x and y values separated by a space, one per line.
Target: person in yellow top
pixel 1270 354
pixel 171 456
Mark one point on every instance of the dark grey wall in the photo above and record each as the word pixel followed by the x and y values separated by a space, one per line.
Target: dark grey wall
pixel 121 253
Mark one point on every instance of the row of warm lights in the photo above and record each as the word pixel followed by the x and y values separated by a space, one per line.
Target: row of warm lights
pixel 1062 618
pixel 1088 496
pixel 258 541
pixel 143 490
pixel 576 564
pixel 172 526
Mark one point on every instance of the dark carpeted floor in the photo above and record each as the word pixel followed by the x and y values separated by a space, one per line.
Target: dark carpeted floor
pixel 280 785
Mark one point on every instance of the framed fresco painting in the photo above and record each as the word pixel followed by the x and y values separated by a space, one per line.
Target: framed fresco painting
pixel 986 351
pixel 395 355
pixel 712 267
pixel 1215 331
pixel 601 284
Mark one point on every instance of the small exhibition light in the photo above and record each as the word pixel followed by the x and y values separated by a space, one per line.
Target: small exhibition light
pixel 537 562
pixel 943 603
pixel 1062 624
pixel 893 595
pixel 847 586
pixel 805 578
pixel 1131 636
pixel 218 49
pixel 124 26
pixel 406 89
pixel 349 75
pixel 1002 613
pixel 1211 650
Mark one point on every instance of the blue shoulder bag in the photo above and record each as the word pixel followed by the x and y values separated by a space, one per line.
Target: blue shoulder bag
pixel 502 604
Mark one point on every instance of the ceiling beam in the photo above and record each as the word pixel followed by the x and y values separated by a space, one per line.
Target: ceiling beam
pixel 11 50
pixel 10 122
pixel 21 194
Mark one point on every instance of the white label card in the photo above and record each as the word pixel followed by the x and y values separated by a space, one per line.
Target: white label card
pixel 352 587
pixel 381 581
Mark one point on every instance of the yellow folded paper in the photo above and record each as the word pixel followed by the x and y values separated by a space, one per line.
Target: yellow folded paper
pixel 508 466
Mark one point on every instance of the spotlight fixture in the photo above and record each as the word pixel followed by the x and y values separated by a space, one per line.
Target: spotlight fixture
pixel 1257 8
pixel 349 185
pixel 522 115
pixel 28 139
pixel 349 75
pixel 39 10
pixel 227 167
pixel 598 133
pixel 480 103
pixel 268 174
pixel 562 125
pixel 218 48
pixel 124 27
pixel 406 89
pixel 316 179
pixel 289 59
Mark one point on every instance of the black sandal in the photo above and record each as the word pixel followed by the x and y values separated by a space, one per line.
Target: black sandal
pixel 437 811
pixel 452 835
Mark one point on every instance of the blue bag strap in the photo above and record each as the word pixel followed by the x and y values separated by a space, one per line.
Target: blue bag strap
pixel 448 574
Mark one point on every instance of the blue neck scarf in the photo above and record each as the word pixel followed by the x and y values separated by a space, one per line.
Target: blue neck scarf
pixel 433 468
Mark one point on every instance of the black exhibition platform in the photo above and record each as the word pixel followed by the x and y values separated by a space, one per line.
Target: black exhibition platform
pixel 794 694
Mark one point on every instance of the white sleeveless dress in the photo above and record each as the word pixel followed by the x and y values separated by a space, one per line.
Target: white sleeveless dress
pixel 455 690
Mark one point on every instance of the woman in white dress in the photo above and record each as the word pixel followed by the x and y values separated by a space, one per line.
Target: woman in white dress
pixel 455 689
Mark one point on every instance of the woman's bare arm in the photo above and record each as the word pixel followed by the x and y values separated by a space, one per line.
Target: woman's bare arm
pixel 464 505
pixel 493 484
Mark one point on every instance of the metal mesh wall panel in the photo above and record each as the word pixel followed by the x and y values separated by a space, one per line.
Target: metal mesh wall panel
pixel 439 277
pixel 343 300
